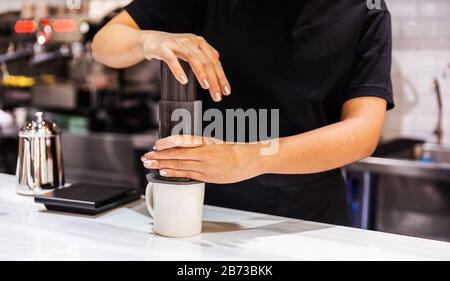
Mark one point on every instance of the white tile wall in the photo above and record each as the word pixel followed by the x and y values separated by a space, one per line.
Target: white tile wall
pixel 421 39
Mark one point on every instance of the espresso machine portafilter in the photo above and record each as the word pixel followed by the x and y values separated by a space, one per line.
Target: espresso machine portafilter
pixel 176 96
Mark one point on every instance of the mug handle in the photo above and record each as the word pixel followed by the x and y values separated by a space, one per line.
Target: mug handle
pixel 149 199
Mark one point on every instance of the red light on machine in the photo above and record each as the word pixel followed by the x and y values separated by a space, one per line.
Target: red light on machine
pixel 64 25
pixel 25 26
pixel 45 22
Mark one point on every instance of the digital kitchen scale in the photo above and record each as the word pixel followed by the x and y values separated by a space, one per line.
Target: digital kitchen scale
pixel 89 199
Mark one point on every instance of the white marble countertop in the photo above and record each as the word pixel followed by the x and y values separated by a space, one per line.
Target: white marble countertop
pixel 29 232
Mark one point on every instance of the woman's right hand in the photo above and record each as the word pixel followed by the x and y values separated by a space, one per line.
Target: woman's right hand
pixel 202 57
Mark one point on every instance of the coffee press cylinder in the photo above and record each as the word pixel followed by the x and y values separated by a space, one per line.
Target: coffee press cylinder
pixel 176 96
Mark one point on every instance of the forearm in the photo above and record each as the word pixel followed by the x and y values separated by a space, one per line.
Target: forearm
pixel 332 146
pixel 320 150
pixel 118 51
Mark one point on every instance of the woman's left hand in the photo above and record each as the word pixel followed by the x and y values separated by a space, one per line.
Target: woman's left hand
pixel 204 159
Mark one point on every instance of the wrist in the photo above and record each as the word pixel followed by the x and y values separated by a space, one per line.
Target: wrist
pixel 252 159
pixel 147 40
pixel 268 155
pixel 265 158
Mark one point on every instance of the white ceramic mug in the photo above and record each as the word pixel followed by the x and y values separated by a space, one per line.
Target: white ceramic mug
pixel 176 208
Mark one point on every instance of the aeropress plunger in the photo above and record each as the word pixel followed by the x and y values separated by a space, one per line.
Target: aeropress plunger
pixel 176 96
pixel 176 204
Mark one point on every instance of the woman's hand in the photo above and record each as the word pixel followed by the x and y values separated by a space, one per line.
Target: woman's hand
pixel 133 45
pixel 202 57
pixel 204 159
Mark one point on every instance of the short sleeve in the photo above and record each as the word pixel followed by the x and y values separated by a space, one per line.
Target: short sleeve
pixel 371 70
pixel 164 15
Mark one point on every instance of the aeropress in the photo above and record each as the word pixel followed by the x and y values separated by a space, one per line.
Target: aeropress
pixel 176 204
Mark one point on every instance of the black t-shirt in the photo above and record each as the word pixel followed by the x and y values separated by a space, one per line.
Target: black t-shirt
pixel 303 57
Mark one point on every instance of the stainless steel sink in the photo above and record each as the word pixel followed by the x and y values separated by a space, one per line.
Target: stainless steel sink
pixel 437 153
pixel 425 153
pixel 405 188
pixel 407 157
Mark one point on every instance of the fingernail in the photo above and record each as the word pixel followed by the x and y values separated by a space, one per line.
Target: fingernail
pixel 163 173
pixel 227 90
pixel 149 163
pixel 217 97
pixel 155 148
pixel 183 79
pixel 143 158
pixel 205 84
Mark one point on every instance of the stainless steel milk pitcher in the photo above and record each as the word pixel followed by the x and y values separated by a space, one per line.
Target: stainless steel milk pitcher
pixel 39 162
